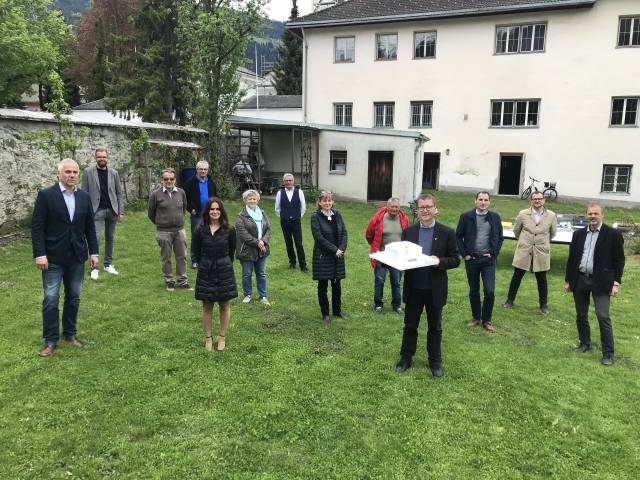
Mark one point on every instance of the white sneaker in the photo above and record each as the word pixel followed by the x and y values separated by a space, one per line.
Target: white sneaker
pixel 111 269
pixel 264 301
pixel 246 299
pixel 94 274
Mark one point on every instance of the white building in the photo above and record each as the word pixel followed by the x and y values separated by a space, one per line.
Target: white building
pixel 504 89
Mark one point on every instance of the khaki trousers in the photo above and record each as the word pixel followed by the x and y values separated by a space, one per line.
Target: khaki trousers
pixel 176 241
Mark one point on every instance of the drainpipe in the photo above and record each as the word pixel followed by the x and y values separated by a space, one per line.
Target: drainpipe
pixel 304 75
pixel 416 159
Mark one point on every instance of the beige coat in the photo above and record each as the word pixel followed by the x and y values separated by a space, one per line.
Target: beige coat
pixel 533 252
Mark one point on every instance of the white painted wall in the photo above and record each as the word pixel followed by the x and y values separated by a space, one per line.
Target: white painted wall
pixel 575 79
pixel 289 114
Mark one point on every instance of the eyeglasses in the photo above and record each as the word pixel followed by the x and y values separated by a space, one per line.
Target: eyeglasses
pixel 427 207
pixel 168 179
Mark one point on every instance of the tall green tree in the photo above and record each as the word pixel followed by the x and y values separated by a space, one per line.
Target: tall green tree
pixel 151 78
pixel 288 69
pixel 32 45
pixel 213 35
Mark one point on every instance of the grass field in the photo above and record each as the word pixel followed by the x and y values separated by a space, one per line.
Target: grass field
pixel 291 398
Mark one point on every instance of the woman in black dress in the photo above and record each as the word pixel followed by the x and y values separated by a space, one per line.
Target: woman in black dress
pixel 330 243
pixel 214 243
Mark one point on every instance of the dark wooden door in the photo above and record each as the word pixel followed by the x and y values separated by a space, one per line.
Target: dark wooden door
pixel 379 185
pixel 510 166
pixel 430 170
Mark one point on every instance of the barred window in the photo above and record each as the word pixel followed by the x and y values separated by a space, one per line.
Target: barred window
pixel 383 115
pixel 421 114
pixel 342 114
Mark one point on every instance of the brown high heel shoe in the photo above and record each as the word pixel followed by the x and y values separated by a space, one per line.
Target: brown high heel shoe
pixel 221 343
pixel 208 343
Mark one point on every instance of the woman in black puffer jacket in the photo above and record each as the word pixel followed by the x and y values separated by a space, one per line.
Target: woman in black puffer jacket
pixel 214 243
pixel 330 243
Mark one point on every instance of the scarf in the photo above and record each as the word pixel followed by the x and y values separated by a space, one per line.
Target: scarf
pixel 256 215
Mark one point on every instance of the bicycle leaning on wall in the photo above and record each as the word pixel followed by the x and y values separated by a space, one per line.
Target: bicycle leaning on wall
pixel 549 192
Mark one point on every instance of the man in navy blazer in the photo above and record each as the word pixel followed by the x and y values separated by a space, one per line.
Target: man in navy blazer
pixel 62 235
pixel 594 267
pixel 427 287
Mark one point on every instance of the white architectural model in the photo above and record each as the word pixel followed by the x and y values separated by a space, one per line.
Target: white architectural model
pixel 403 251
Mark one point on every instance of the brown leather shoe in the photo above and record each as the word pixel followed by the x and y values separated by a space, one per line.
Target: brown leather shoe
pixel 473 322
pixel 488 327
pixel 47 351
pixel 74 341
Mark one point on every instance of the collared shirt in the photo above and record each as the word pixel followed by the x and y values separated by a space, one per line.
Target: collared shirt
pixel 425 237
pixel 586 262
pixel 537 216
pixel 173 190
pixel 69 199
pixel 203 185
pixel 303 203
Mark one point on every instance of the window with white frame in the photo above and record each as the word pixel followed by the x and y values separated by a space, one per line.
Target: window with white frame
pixel 616 178
pixel 386 46
pixel 345 48
pixel 424 44
pixel 624 111
pixel 515 113
pixel 421 114
pixel 383 115
pixel 338 161
pixel 629 32
pixel 521 38
pixel 342 114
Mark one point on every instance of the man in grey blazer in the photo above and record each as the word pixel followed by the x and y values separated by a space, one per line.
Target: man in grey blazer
pixel 102 183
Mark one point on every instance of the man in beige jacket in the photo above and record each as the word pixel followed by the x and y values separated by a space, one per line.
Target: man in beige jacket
pixel 534 229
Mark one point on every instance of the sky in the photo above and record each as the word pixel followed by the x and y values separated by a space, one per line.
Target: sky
pixel 281 9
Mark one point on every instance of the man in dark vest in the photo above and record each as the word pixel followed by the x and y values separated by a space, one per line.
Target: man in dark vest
pixel 290 207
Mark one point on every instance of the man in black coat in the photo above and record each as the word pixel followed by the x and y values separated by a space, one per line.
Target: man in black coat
pixel 594 267
pixel 198 189
pixel 61 227
pixel 427 287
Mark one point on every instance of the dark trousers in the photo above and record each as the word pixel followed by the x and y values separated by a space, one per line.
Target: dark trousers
pixel 581 292
pixel 417 301
pixel 380 274
pixel 195 220
pixel 71 276
pixel 541 279
pixel 292 232
pixel 484 267
pixel 336 296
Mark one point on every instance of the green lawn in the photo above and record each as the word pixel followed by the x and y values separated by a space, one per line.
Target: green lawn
pixel 291 398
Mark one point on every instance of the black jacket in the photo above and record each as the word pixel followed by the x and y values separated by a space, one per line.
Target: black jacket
pixel 467 231
pixel 608 259
pixel 192 190
pixel 443 247
pixel 326 266
pixel 53 234
pixel 216 281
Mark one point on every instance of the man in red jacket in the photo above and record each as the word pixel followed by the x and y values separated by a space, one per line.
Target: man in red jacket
pixel 386 226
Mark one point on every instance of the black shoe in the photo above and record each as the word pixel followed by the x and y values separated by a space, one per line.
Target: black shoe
pixel 171 286
pixel 340 315
pixel 582 348
pixel 304 269
pixel 326 319
pixel 184 286
pixel 607 360
pixel 437 372
pixel 544 309
pixel 403 365
pixel 507 304
pixel 292 266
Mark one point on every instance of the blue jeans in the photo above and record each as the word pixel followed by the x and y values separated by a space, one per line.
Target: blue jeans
pixel 380 274
pixel 260 267
pixel 72 276
pixel 108 218
pixel 485 267
pixel 195 220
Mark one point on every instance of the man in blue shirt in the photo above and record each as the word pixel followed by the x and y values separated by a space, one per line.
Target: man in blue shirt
pixel 198 190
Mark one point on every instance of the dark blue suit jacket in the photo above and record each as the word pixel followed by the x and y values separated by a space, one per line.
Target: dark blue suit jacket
pixel 467 232
pixel 52 233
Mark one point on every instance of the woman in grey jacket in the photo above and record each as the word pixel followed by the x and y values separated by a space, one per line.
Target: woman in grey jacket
pixel 253 232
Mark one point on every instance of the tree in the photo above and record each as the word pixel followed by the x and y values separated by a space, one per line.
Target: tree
pixel 150 78
pixel 212 38
pixel 32 45
pixel 288 70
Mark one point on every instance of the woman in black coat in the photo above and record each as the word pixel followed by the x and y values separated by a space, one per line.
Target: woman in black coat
pixel 214 243
pixel 330 243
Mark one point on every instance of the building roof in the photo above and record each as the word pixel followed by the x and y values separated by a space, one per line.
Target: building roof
pixel 380 11
pixel 95 105
pixel 272 101
pixel 45 117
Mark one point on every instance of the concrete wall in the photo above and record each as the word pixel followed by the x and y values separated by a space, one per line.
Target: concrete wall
pixel 575 78
pixel 277 148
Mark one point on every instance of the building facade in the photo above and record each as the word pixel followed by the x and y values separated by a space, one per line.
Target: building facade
pixel 504 90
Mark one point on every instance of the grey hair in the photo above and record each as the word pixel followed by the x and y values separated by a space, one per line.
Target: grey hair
pixel 596 204
pixel 168 170
pixel 101 149
pixel 288 175
pixel 427 196
pixel 393 199
pixel 202 163
pixel 250 193
pixel 65 160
